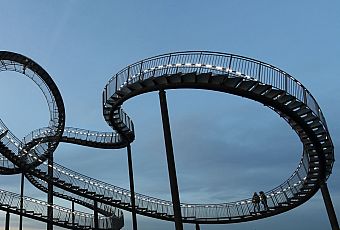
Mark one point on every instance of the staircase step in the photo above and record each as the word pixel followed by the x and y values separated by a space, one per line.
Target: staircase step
pixel 294 105
pixel 319 131
pixel 91 193
pixel 149 82
pixel 69 185
pixel 55 179
pixel 303 111
pixel 232 82
pixel 120 93
pixel 315 124
pixel 135 86
pixel 294 200
pixel 125 90
pixel 189 78
pixel 204 78
pixel 63 222
pixel 217 79
pixel 246 85
pixel 176 78
pixel 285 98
pixel 272 93
pixel 310 117
pixel 284 204
pixel 260 88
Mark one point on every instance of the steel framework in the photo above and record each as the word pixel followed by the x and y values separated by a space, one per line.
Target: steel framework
pixel 222 72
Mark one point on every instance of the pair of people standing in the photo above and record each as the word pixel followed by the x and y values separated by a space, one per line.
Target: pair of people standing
pixel 259 198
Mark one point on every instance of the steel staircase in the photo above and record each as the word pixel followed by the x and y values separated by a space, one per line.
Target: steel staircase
pixel 227 73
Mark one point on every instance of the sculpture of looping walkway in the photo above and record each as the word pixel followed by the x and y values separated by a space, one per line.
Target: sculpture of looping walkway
pixel 222 72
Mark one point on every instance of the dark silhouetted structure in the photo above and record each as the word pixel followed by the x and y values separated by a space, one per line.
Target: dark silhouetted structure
pixel 228 73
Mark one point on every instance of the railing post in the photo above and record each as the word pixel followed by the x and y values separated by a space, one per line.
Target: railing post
pixel 21 199
pixel 170 161
pixel 140 70
pixel 50 194
pixel 199 58
pixel 128 75
pixel 169 61
pixel 259 72
pixel 329 206
pixel 7 220
pixel 284 193
pixel 229 65
pixel 116 83
pixel 132 189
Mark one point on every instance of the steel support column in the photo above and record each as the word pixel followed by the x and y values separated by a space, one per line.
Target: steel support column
pixel 21 199
pixel 7 221
pixel 171 161
pixel 73 216
pixel 95 215
pixel 50 194
pixel 329 206
pixel 197 227
pixel 132 189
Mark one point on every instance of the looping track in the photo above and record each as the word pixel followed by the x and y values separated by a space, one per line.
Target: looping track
pixel 222 72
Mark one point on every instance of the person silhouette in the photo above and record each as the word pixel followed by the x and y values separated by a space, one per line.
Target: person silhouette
pixel 256 202
pixel 263 199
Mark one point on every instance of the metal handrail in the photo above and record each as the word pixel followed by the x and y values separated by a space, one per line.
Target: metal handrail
pixel 163 206
pixel 217 63
pixel 39 208
pixel 227 65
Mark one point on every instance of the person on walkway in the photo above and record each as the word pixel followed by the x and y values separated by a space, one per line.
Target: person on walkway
pixel 263 199
pixel 256 202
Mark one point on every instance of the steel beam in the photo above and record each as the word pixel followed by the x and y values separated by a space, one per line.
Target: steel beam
pixel 73 216
pixel 329 206
pixel 22 183
pixel 171 161
pixel 95 215
pixel 50 194
pixel 197 226
pixel 132 189
pixel 7 220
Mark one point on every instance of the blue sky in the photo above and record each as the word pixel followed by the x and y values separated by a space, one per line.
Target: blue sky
pixel 220 141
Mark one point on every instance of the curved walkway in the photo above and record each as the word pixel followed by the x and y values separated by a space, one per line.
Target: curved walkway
pixel 227 73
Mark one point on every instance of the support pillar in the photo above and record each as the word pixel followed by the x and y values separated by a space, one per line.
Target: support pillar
pixel 197 226
pixel 329 206
pixel 132 189
pixel 50 194
pixel 73 215
pixel 21 199
pixel 7 220
pixel 95 215
pixel 170 161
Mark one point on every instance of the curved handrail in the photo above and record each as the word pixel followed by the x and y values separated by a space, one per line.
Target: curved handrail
pixel 294 191
pixel 216 62
pixel 113 213
pixel 38 208
pixel 21 64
